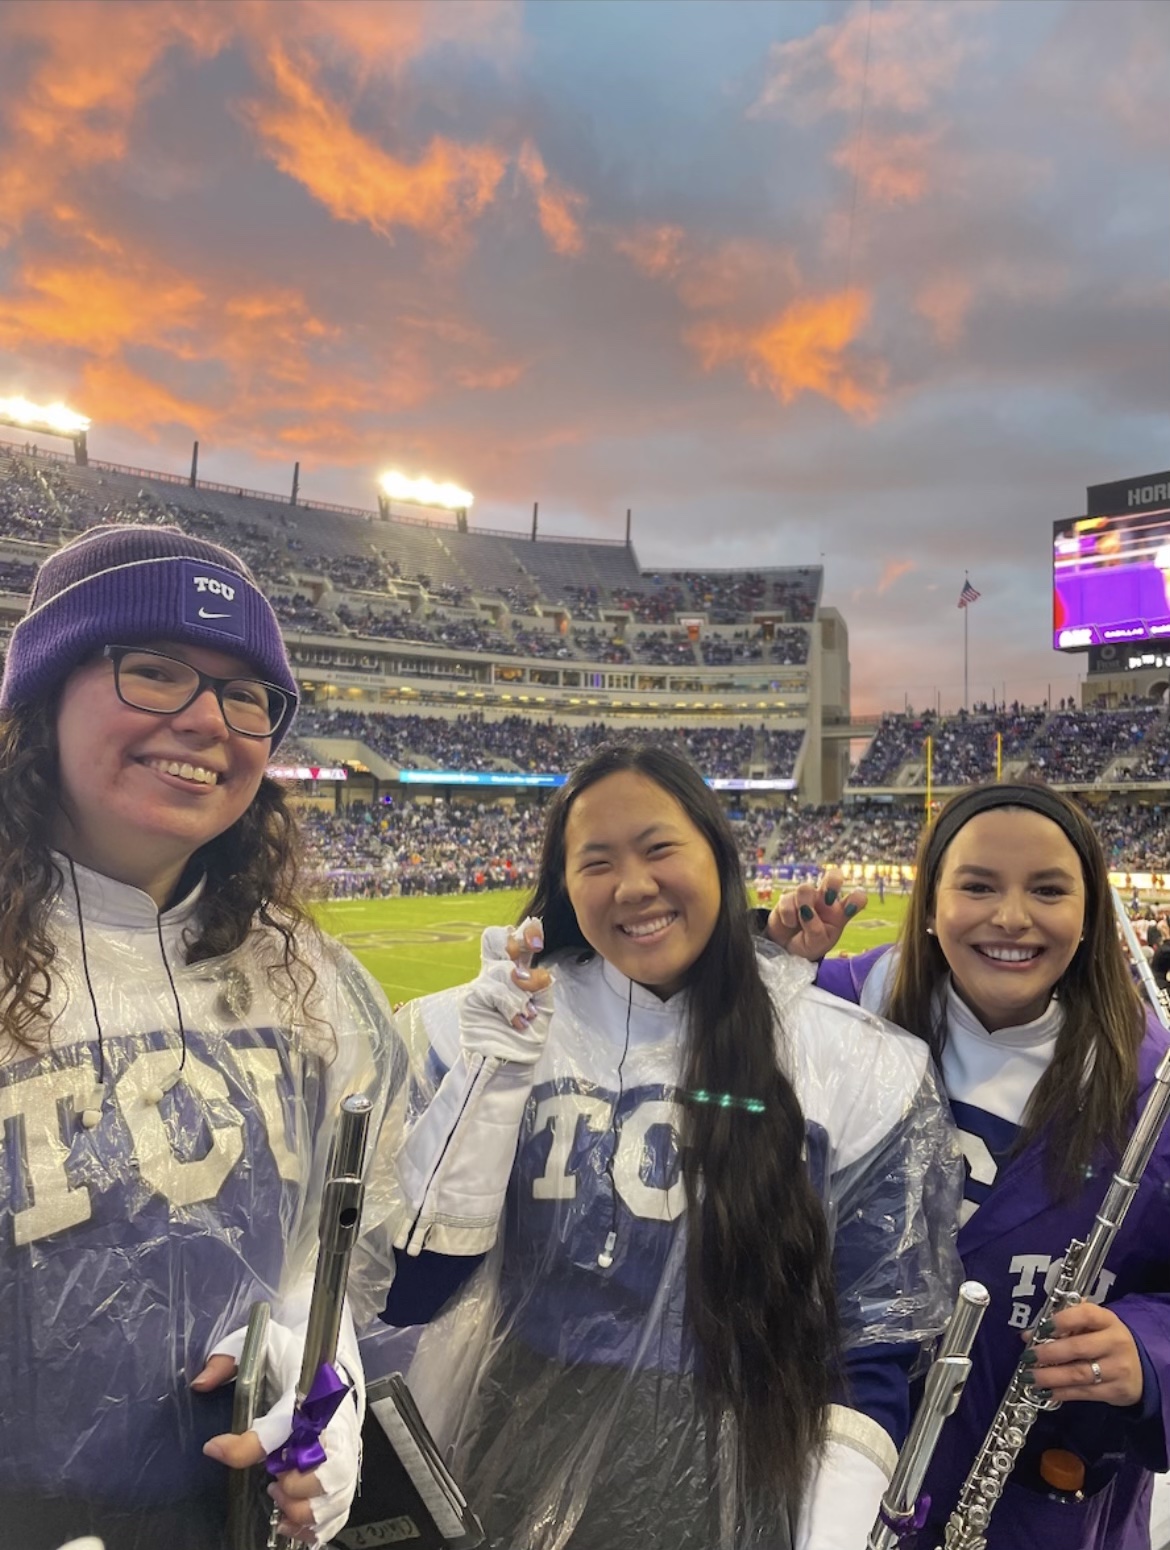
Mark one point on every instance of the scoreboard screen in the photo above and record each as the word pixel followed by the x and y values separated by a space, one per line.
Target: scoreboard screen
pixel 1111 579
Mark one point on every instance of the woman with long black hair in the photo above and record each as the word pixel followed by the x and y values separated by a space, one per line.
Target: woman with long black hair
pixel 727 1202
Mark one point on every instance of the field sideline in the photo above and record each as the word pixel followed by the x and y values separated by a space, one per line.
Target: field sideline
pixel 415 945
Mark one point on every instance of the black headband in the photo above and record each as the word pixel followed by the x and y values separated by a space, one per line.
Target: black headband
pixel 984 799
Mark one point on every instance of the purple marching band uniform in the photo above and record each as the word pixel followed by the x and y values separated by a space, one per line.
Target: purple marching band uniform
pixel 1012 1238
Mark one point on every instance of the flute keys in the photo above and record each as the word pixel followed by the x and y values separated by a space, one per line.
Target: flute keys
pixel 1013 1438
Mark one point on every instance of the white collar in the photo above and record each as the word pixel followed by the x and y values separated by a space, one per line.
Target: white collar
pixel 633 994
pixel 1041 1030
pixel 106 902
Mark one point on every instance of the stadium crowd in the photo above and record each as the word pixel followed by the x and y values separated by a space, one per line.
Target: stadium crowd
pixel 455 846
pixel 43 502
pixel 409 848
pixel 1064 746
pixel 471 743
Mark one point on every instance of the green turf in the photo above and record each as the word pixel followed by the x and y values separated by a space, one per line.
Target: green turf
pixel 416 945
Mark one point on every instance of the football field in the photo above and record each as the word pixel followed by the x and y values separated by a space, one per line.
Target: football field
pixel 419 944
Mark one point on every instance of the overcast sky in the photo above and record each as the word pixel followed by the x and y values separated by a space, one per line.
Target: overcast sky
pixel 885 285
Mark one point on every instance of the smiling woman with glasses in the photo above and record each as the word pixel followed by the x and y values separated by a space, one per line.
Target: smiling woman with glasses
pixel 175 1038
pixel 164 685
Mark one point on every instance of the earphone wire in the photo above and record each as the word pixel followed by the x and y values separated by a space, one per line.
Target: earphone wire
pixel 174 990
pixel 85 971
pixel 97 1022
pixel 616 1129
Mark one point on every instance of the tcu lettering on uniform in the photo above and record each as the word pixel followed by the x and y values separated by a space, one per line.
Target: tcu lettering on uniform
pixel 563 1112
pixel 981 1165
pixel 219 588
pixel 1027 1267
pixel 45 1109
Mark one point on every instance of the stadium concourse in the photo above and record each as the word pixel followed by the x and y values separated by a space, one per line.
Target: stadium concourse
pixel 436 663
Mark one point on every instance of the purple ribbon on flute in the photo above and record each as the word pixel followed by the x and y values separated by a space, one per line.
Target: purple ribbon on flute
pixel 905 1527
pixel 302 1448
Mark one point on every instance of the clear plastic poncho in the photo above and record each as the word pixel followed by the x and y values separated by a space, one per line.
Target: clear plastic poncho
pixel 559 1381
pixel 135 1235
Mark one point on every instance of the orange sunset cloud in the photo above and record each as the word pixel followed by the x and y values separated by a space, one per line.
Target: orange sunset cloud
pixel 310 138
pixel 902 56
pixel 895 169
pixel 893 571
pixel 557 206
pixel 77 102
pixel 945 303
pixel 114 391
pixel 655 250
pixel 802 350
pixel 97 307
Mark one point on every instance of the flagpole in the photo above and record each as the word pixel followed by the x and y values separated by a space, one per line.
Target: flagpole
pixel 966 597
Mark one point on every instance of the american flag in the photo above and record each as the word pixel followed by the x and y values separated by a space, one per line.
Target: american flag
pixel 968 595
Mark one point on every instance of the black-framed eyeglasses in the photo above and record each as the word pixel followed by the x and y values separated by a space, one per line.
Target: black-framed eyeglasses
pixel 161 685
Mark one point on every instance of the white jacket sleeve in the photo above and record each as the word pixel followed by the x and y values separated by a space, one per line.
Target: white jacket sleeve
pixel 456 1161
pixel 847 1487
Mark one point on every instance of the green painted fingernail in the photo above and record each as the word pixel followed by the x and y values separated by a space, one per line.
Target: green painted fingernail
pixel 805 912
pixel 1029 1358
pixel 830 896
pixel 850 911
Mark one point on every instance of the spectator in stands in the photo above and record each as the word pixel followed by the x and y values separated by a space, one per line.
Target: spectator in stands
pixel 668 1271
pixel 175 1036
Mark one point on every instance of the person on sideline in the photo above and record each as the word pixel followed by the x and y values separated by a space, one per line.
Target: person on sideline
pixel 728 1203
pixel 175 1036
pixel 1010 969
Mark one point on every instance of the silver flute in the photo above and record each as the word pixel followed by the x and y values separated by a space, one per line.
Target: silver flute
pixel 899 1516
pixel 340 1222
pixel 967 1527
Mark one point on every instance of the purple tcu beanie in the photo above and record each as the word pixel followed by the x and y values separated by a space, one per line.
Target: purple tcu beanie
pixel 121 585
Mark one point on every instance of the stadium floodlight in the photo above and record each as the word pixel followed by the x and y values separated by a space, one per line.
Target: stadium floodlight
pixel 54 418
pixel 425 492
pixel 47 420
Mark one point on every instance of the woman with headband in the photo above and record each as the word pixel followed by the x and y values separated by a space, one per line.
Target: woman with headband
pixel 1010 968
pixel 714 1180
pixel 175 1036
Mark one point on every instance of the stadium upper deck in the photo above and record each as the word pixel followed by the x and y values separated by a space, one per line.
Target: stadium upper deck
pixel 378 612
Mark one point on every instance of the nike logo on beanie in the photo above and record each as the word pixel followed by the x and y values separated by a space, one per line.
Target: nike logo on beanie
pixel 211 593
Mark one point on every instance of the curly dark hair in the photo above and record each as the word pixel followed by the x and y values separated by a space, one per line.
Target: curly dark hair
pixel 761 1298
pixel 252 877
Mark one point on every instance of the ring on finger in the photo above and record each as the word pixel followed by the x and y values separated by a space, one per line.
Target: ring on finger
pixel 1095 1369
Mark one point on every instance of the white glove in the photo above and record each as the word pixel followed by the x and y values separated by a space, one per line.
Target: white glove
pixel 455 1164
pixel 341 1439
pixel 498 1018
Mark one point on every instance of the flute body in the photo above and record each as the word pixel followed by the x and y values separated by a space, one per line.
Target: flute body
pixel 341 1215
pixel 967 1527
pixel 340 1223
pixel 898 1516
